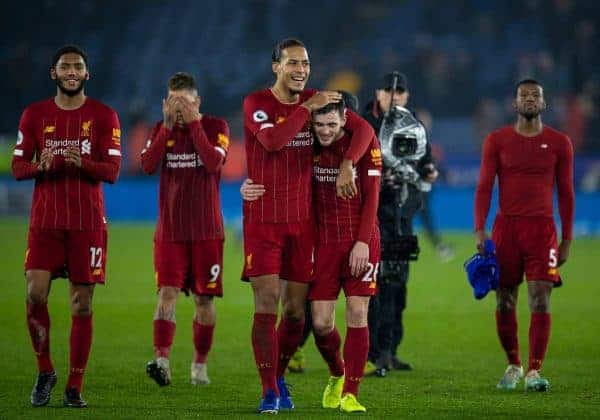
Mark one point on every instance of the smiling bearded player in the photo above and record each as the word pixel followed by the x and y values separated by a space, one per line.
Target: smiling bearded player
pixel 69 144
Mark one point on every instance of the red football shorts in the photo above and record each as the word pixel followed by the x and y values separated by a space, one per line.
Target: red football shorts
pixel 195 266
pixel 332 271
pixel 79 255
pixel 525 245
pixel 279 248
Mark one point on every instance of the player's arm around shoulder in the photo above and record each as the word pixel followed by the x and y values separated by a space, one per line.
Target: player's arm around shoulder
pixel 259 118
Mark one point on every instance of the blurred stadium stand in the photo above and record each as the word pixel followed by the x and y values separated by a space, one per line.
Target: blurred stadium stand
pixel 462 58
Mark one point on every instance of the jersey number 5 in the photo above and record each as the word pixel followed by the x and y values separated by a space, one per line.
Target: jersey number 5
pixel 552 258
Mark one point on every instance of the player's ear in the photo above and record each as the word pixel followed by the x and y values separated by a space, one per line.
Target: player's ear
pixel 52 73
pixel 275 67
pixel 87 75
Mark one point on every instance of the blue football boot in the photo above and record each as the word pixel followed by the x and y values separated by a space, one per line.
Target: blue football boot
pixel 269 404
pixel 285 400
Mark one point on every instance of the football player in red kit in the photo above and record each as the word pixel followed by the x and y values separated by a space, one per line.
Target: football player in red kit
pixel 69 145
pixel 190 149
pixel 528 158
pixel 346 254
pixel 278 227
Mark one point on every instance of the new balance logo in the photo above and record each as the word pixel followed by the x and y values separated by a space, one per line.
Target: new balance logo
pixel 86 147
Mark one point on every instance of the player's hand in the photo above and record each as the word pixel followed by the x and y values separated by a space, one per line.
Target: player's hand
pixel 563 251
pixel 321 99
pixel 189 110
pixel 432 173
pixel 251 191
pixel 169 108
pixel 45 159
pixel 344 183
pixel 73 156
pixel 359 258
pixel 480 237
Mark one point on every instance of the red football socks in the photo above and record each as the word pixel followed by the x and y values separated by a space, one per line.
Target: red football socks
pixel 264 344
pixel 38 322
pixel 81 344
pixel 203 336
pixel 539 333
pixel 506 325
pixel 164 331
pixel 289 336
pixel 356 349
pixel 329 347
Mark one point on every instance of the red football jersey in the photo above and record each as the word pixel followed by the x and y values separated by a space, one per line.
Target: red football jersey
pixel 279 150
pixel 527 170
pixel 67 197
pixel 340 220
pixel 191 157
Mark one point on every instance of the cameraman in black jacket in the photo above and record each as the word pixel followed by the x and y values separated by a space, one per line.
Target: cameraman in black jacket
pixel 399 201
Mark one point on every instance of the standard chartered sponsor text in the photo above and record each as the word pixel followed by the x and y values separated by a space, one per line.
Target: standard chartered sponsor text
pixel 325 174
pixel 183 160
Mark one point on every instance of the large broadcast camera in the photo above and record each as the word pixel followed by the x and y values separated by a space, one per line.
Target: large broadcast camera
pixel 403 143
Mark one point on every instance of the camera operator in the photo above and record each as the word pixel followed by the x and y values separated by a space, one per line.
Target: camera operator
pixel 408 170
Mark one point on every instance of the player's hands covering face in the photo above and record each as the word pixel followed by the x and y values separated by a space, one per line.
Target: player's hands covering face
pixel 188 109
pixel 169 108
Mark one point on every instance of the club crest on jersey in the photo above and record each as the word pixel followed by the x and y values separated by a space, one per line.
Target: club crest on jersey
pixel 86 147
pixel 280 120
pixel 223 141
pixel 116 136
pixel 170 143
pixel 376 157
pixel 85 128
pixel 19 137
pixel 49 129
pixel 260 116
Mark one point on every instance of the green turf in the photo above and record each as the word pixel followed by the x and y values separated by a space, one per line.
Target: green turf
pixel 450 339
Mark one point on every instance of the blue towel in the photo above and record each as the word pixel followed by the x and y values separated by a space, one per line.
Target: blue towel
pixel 482 270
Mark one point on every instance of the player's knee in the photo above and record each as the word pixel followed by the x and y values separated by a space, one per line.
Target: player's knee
pixel 167 296
pixel 266 302
pixel 356 315
pixel 37 289
pixel 293 311
pixel 322 325
pixel 81 305
pixel 539 303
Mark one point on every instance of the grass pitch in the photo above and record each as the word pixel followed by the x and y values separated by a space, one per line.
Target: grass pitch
pixel 450 339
